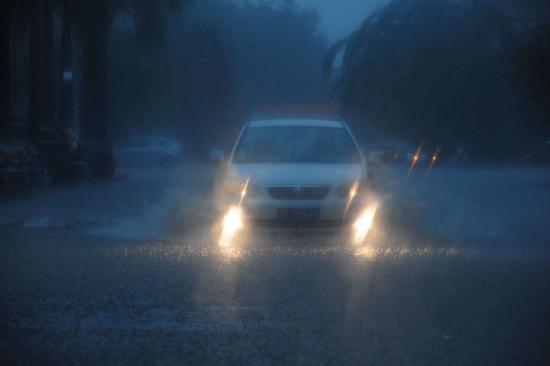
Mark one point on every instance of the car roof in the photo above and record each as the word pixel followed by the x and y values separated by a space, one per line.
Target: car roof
pixel 299 122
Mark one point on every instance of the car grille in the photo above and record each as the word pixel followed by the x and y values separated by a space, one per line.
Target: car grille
pixel 298 193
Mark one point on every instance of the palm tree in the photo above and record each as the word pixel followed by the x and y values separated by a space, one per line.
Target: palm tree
pixel 414 69
pixel 5 94
pixel 34 73
pixel 532 59
pixel 37 17
pixel 93 19
pixel 47 87
pixel 92 27
pixel 66 65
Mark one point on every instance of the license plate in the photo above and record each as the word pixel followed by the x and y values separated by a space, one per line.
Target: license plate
pixel 298 215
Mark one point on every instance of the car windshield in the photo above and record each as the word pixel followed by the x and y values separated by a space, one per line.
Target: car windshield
pixel 296 144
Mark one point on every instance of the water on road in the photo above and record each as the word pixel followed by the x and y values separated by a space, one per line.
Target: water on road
pixel 130 272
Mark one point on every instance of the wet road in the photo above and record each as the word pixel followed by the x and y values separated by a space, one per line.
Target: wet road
pixel 129 273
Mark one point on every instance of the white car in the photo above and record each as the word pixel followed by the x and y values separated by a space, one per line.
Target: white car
pixel 295 172
pixel 154 150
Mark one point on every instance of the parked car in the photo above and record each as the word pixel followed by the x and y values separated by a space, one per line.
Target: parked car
pixel 66 157
pixel 19 167
pixel 154 150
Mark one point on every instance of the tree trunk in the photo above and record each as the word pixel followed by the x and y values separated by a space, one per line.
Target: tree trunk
pixel 66 78
pixel 34 74
pixel 5 92
pixel 47 88
pixel 94 25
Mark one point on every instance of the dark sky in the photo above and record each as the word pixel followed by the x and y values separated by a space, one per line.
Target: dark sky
pixel 338 18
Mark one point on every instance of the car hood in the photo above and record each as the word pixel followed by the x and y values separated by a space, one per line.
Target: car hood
pixel 297 174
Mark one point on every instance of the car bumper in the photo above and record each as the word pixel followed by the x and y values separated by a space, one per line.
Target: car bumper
pixel 330 211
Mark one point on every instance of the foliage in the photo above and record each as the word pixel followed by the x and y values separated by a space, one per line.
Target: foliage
pixel 532 60
pixel 436 71
pixel 94 19
pixel 276 53
pixel 216 64
pixel 178 85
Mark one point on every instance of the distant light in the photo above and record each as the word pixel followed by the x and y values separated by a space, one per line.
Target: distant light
pixel 415 158
pixel 67 76
pixel 363 224
pixel 232 222
pixel 435 156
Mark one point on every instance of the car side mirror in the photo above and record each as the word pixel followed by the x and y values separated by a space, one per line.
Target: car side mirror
pixel 375 157
pixel 216 156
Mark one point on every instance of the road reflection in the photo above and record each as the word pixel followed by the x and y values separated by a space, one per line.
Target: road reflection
pixel 370 252
pixel 231 254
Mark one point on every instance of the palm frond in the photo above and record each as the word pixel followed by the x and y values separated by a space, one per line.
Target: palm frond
pixel 330 57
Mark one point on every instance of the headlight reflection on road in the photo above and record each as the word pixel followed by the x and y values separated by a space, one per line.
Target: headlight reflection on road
pixel 363 224
pixel 232 222
pixel 367 253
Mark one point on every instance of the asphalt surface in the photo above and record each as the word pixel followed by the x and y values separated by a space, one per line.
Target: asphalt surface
pixel 456 272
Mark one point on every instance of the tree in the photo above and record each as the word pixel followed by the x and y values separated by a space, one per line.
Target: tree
pixel 217 64
pixel 93 22
pixel 208 78
pixel 532 58
pixel 278 53
pixel 93 26
pixel 47 83
pixel 37 18
pixel 5 94
pixel 88 22
pixel 34 73
pixel 417 70
pixel 182 85
pixel 65 82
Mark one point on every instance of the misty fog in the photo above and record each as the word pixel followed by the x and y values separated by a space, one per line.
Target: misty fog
pixel 274 182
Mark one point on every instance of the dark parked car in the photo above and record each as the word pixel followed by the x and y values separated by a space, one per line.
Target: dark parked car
pixel 65 157
pixel 19 166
